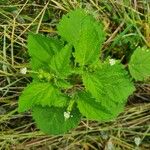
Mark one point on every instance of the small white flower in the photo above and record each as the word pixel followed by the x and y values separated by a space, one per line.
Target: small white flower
pixel 137 141
pixel 112 61
pixel 23 70
pixel 67 115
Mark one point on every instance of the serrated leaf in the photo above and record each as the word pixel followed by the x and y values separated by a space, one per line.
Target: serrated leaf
pixel 35 64
pixel 38 93
pixel 41 49
pixel 139 65
pixel 88 45
pixel 109 83
pixel 63 84
pixel 86 35
pixel 60 63
pixel 70 25
pixel 95 111
pixel 51 120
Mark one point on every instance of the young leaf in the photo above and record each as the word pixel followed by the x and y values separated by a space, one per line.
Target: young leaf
pixel 88 45
pixel 139 65
pixel 63 84
pixel 51 120
pixel 41 49
pixel 94 110
pixel 70 25
pixel 84 33
pixel 38 93
pixel 110 82
pixel 60 63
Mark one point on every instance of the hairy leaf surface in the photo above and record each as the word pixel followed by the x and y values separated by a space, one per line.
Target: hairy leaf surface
pixel 109 83
pixel 84 33
pixel 41 49
pixel 51 119
pixel 60 63
pixel 38 93
pixel 88 45
pixel 63 84
pixel 139 65
pixel 70 25
pixel 94 110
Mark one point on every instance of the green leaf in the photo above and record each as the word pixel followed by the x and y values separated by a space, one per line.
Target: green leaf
pixel 88 45
pixel 70 25
pixel 95 111
pixel 60 63
pixel 63 84
pixel 38 93
pixel 139 65
pixel 41 49
pixel 51 119
pixel 109 83
pixel 86 35
pixel 36 64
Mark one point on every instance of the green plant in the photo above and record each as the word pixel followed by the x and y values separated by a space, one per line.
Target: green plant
pixel 69 80
pixel 139 64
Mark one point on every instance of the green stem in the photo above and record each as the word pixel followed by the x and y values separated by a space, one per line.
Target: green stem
pixel 70 106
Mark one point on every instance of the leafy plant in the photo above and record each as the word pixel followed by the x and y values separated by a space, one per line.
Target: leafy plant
pixel 69 80
pixel 139 64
